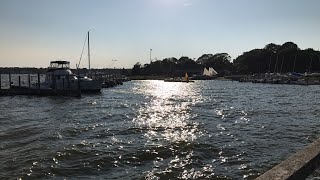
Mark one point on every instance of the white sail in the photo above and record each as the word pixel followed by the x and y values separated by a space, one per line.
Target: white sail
pixel 205 72
pixel 212 72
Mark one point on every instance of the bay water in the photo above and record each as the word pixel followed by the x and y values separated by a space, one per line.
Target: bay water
pixel 157 130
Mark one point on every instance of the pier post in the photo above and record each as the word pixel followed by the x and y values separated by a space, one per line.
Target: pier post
pixel 10 80
pixel 38 83
pixel 0 80
pixel 19 81
pixel 29 79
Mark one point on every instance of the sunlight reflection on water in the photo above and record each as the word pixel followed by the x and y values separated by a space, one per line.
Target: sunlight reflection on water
pixel 168 120
pixel 167 114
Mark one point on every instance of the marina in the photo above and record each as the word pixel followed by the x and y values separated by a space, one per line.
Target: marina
pixel 277 78
pixel 159 90
pixel 68 84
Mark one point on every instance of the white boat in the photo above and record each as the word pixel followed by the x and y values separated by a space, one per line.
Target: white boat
pixel 60 77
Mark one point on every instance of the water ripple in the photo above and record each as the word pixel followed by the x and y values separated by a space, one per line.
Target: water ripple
pixel 157 130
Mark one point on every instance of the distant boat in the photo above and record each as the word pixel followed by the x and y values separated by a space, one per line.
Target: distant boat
pixel 186 77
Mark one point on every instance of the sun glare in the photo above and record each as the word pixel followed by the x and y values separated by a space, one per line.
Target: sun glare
pixel 167 114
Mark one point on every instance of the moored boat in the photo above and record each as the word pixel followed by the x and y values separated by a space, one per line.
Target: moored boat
pixel 59 76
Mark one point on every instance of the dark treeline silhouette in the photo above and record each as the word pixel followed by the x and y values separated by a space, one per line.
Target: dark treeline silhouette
pixel 177 67
pixel 274 58
pixel 278 59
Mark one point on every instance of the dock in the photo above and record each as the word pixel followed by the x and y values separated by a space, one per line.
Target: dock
pixel 26 84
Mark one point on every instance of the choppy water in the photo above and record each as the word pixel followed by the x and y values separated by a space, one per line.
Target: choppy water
pixel 157 130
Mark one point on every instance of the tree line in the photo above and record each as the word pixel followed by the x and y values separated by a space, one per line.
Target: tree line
pixel 273 58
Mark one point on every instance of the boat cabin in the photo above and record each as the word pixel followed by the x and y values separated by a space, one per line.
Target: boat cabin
pixel 59 71
pixel 59 65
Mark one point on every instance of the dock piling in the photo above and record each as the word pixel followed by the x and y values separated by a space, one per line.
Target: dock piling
pixel 19 81
pixel 10 80
pixel 0 80
pixel 29 81
pixel 39 83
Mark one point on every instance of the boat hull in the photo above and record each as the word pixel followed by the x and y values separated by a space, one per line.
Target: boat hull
pixel 91 86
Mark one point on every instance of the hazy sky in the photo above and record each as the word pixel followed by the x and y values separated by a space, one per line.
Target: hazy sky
pixel 34 32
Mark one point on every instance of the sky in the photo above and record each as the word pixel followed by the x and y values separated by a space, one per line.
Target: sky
pixel 122 32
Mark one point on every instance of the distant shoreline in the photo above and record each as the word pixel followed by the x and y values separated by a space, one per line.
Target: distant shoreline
pixel 33 70
pixel 224 78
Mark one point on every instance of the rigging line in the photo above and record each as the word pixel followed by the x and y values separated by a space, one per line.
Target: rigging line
pixel 109 65
pixel 84 44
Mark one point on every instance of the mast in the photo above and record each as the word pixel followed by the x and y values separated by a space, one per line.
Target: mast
pixel 150 55
pixel 310 63
pixel 294 63
pixel 89 49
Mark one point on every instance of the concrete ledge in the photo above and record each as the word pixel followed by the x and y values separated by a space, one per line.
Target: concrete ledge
pixel 298 166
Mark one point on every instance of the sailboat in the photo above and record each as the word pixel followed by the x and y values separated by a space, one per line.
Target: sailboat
pixel 212 72
pixel 87 83
pixel 59 76
pixel 207 74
